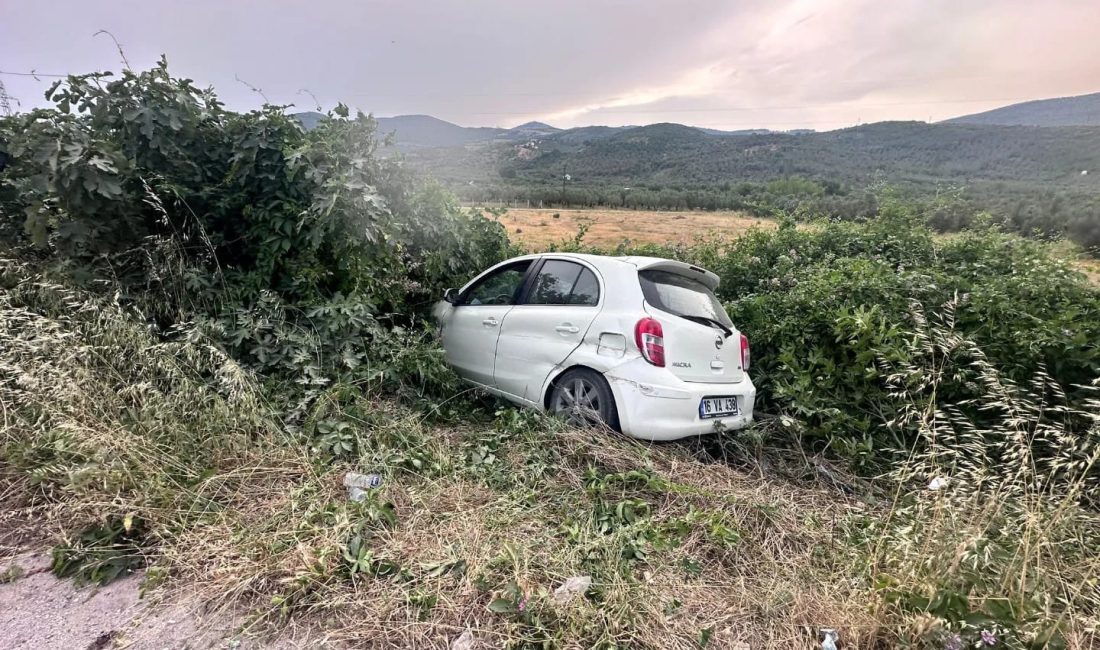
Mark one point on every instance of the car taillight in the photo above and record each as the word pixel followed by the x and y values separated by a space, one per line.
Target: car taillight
pixel 746 354
pixel 651 341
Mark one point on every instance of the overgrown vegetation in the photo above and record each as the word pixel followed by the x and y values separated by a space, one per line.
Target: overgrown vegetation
pixel 207 318
pixel 306 254
pixel 830 311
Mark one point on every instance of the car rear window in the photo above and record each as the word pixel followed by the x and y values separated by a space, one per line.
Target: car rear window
pixel 681 295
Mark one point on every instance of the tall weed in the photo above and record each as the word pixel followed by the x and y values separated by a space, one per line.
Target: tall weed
pixel 993 527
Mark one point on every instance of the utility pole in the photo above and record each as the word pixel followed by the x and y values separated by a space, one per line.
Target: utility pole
pixel 5 103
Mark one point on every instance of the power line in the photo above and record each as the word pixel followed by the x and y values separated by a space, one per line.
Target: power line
pixel 32 73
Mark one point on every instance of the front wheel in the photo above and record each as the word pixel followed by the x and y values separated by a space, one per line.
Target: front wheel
pixel 582 398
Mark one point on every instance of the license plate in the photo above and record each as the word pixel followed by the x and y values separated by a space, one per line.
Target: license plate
pixel 717 407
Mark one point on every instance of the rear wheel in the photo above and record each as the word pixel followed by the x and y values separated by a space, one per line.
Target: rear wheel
pixel 582 398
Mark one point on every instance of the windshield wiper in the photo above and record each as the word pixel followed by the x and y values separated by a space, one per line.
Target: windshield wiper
pixel 706 320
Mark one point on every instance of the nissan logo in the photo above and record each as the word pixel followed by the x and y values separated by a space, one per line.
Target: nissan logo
pixel 718 343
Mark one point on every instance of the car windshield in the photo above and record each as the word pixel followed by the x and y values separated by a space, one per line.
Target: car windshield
pixel 683 296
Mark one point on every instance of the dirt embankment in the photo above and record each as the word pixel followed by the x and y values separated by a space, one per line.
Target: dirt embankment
pixel 38 610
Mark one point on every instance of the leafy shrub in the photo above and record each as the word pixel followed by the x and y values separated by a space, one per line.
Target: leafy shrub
pixel 825 306
pixel 302 251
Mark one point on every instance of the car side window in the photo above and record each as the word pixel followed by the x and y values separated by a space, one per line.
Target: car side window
pixel 498 288
pixel 586 291
pixel 564 283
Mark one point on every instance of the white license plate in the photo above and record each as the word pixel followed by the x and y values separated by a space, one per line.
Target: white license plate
pixel 717 407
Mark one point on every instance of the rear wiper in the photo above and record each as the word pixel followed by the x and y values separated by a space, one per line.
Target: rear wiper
pixel 708 321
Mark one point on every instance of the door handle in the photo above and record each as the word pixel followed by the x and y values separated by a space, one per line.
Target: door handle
pixel 566 328
pixel 489 322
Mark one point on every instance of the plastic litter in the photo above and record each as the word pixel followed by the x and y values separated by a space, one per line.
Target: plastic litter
pixel 465 641
pixel 830 640
pixel 938 483
pixel 571 587
pixel 359 484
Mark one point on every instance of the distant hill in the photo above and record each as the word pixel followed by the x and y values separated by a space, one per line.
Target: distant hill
pixel 655 138
pixel 533 130
pixel 1082 110
pixel 1018 159
pixel 412 131
pixel 1031 180
pixel 1036 179
pixel 911 152
pixel 425 131
pixel 738 132
pixel 584 134
pixel 428 131
pixel 309 119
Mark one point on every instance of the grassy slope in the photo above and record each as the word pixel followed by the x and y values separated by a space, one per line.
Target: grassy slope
pixel 177 445
pixel 513 513
pixel 478 522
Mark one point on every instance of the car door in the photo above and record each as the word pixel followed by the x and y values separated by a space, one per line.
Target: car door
pixel 469 332
pixel 551 320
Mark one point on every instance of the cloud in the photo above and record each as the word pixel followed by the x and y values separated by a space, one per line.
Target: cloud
pixel 832 64
pixel 697 83
pixel 719 63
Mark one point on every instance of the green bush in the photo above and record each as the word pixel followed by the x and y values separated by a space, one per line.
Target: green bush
pixel 301 251
pixel 829 307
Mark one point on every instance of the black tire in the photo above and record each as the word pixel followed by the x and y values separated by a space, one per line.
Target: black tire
pixel 597 404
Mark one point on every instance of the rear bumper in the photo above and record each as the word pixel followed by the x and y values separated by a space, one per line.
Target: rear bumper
pixel 660 406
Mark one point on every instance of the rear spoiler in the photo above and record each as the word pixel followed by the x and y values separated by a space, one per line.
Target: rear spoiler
pixel 679 268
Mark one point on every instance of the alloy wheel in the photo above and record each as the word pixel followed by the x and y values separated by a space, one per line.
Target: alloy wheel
pixel 578 402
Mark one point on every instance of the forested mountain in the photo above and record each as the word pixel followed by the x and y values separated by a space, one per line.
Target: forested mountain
pixel 413 131
pixel 674 154
pixel 533 130
pixel 1035 179
pixel 428 131
pixel 1043 179
pixel 420 131
pixel 1082 110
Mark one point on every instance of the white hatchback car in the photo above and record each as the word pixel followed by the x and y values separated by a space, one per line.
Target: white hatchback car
pixel 640 344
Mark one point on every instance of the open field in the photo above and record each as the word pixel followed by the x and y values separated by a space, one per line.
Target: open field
pixel 537 228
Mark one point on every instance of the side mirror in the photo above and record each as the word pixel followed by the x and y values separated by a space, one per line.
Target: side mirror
pixel 451 296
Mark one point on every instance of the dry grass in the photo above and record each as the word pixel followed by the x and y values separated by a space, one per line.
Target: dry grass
pixel 1086 263
pixel 1091 268
pixel 769 586
pixel 537 228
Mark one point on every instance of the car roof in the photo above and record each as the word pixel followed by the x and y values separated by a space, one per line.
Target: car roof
pixel 640 262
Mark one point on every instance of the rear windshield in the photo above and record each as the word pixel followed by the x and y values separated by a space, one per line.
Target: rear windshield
pixel 682 296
